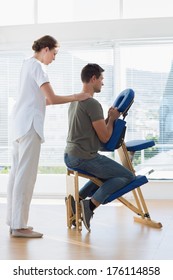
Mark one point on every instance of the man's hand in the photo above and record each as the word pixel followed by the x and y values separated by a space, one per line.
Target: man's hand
pixel 113 113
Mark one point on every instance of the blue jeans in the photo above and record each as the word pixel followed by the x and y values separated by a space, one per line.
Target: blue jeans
pixel 114 175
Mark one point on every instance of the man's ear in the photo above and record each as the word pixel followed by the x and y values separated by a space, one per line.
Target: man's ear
pixel 93 78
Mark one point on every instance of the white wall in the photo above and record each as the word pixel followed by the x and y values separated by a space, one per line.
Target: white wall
pixel 88 31
pixel 54 186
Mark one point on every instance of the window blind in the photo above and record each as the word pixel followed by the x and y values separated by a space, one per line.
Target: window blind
pixel 144 66
pixel 64 74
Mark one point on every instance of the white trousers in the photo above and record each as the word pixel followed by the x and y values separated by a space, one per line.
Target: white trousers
pixel 26 152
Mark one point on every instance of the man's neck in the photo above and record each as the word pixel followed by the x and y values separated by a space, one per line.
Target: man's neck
pixel 88 89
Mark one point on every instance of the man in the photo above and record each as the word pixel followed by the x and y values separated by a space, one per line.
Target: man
pixel 87 131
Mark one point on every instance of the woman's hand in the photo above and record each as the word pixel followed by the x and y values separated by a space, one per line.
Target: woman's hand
pixel 82 96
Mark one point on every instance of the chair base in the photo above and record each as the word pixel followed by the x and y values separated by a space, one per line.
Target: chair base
pixel 139 206
pixel 72 185
pixel 148 222
pixel 73 218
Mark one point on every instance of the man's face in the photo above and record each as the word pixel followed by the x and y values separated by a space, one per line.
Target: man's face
pixel 98 83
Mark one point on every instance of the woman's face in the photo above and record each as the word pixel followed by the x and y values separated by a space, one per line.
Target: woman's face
pixel 49 55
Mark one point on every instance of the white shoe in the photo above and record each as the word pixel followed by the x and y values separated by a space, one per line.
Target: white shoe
pixel 31 228
pixel 26 233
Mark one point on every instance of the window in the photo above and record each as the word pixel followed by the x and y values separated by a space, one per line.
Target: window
pixel 9 74
pixel 64 74
pixel 147 68
pixel 144 66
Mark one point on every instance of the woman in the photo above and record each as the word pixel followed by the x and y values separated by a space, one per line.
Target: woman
pixel 35 92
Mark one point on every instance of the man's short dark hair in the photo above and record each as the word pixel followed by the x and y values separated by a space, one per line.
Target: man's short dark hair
pixel 90 70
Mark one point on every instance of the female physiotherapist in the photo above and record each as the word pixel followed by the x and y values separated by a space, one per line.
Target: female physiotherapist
pixel 35 92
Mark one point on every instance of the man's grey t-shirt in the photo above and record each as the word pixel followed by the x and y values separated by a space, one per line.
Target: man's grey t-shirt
pixel 82 140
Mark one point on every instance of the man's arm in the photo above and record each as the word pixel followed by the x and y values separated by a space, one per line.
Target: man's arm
pixel 104 128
